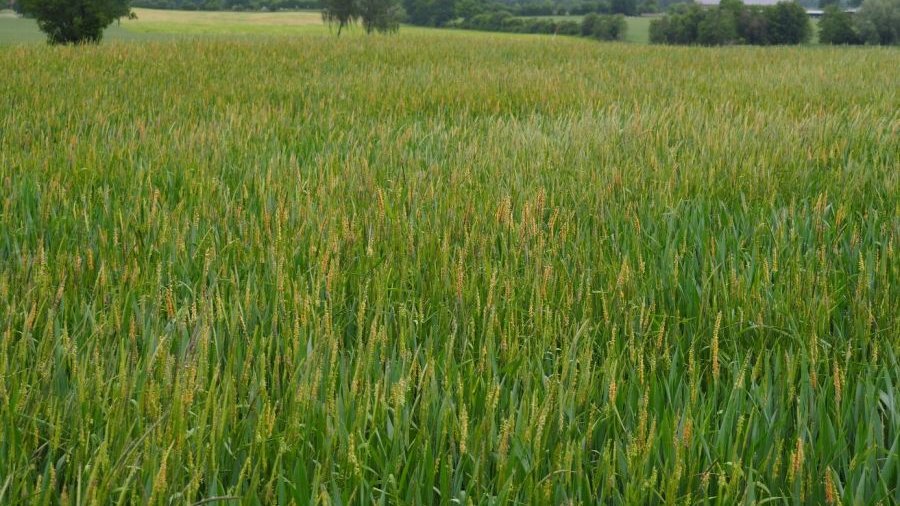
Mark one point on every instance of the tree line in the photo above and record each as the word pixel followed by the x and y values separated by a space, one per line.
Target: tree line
pixel 568 8
pixel 732 22
pixel 876 22
pixel 595 26
pixel 785 23
pixel 479 13
pixel 485 15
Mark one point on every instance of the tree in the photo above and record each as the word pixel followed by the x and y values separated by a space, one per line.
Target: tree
pixel 718 27
pixel 380 15
pixel 836 27
pixel 340 12
pixel 753 26
pixel 567 27
pixel 468 9
pixel 660 28
pixel 648 7
pixel 610 27
pixel 732 7
pixel 679 27
pixel 878 21
pixel 823 4
pixel 74 21
pixel 587 24
pixel 430 12
pixel 626 7
pixel 788 23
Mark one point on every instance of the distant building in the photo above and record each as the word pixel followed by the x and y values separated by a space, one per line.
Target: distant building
pixel 818 13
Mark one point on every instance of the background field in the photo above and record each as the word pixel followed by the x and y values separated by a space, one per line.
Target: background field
pixel 159 24
pixel 154 24
pixel 448 267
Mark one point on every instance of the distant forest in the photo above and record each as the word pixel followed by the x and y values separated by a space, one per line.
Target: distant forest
pixel 218 5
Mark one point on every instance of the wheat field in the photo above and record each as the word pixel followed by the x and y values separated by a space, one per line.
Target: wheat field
pixel 432 269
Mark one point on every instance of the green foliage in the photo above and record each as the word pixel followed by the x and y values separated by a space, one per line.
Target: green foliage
pixel 626 7
pixel 648 7
pixel 494 21
pixel 430 269
pixel 590 6
pixel 430 12
pixel 718 27
pixel 787 23
pixel 467 9
pixel 878 22
pixel 377 15
pixel 680 26
pixel 380 15
pixel 74 21
pixel 592 25
pixel 587 24
pixel 340 12
pixel 753 26
pixel 836 27
pixel 603 27
pixel 732 23
pixel 568 27
pixel 237 5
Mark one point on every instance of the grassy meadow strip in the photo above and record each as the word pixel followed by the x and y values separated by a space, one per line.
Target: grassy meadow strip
pixel 438 270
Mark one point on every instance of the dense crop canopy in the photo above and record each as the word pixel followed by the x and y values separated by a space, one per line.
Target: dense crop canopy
pixel 448 267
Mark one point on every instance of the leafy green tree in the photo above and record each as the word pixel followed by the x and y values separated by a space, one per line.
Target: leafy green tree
pixel 567 27
pixel 836 27
pixel 753 26
pixel 718 27
pixel 610 27
pixel 660 28
pixel 430 12
pixel 733 7
pixel 442 12
pixel 824 4
pixel 340 12
pixel 679 27
pixel 74 21
pixel 648 7
pixel 626 7
pixel 380 15
pixel 606 27
pixel 788 23
pixel 587 24
pixel 878 22
pixel 468 9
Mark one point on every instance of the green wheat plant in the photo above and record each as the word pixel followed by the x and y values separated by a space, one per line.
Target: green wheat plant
pixel 434 269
